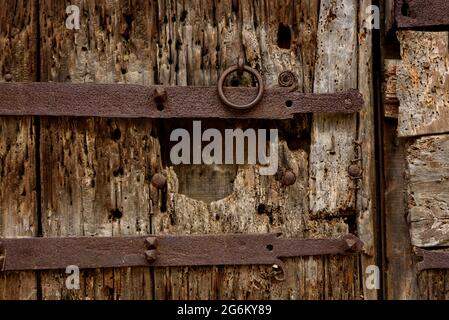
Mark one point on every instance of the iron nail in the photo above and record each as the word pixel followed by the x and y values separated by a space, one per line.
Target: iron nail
pixel 8 77
pixel 160 95
pixel 152 242
pixel 354 171
pixel 151 255
pixel 351 243
pixel 159 181
pixel 288 178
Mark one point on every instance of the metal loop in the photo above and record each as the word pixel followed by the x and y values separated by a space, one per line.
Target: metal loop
pixel 250 71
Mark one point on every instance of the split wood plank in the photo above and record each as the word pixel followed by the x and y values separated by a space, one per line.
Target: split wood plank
pixel 18 211
pixel 423 83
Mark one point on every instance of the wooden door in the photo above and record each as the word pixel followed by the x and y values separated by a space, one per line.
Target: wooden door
pixel 92 177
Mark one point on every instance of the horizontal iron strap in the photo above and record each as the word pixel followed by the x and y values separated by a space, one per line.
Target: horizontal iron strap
pixel 413 14
pixel 136 101
pixel 192 250
pixel 432 259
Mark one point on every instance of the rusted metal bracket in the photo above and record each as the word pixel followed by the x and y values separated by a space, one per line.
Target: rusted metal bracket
pixel 431 259
pixel 164 251
pixel 412 14
pixel 135 101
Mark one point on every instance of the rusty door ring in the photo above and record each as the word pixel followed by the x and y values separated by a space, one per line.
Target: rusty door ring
pixel 239 68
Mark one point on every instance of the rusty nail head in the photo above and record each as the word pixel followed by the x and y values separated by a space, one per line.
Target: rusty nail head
pixel 160 95
pixel 151 255
pixel 354 170
pixel 159 181
pixel 288 178
pixel 287 79
pixel 152 242
pixel 351 243
pixel 8 77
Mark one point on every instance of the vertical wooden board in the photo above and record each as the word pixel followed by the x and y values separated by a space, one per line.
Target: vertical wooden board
pixel 96 172
pixel 270 37
pixel 401 278
pixel 18 214
pixel 366 195
pixel 423 83
pixel 427 190
pixel 333 136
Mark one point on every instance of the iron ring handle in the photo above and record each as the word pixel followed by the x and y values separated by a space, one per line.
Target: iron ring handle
pixel 251 71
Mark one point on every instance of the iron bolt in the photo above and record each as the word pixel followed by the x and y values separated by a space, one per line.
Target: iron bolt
pixel 160 95
pixel 288 178
pixel 354 171
pixel 152 242
pixel 350 243
pixel 151 255
pixel 159 181
pixel 8 77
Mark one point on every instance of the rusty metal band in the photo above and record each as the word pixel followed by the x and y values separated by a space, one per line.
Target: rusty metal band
pixel 412 14
pixel 163 251
pixel 432 259
pixel 136 101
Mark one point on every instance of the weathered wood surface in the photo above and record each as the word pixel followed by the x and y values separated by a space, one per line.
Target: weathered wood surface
pixel 255 203
pixel 423 83
pixel 428 190
pixel 18 215
pixel 366 194
pixel 401 276
pixel 390 98
pixel 96 172
pixel 333 136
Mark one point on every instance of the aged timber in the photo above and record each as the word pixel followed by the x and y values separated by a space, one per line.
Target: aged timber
pixel 413 14
pixel 136 101
pixel 200 250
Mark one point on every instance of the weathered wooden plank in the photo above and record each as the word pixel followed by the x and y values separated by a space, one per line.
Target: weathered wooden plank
pixel 366 195
pixel 18 214
pixel 332 192
pixel 423 83
pixel 428 185
pixel 96 172
pixel 333 136
pixel 211 42
pixel 273 37
pixel 401 281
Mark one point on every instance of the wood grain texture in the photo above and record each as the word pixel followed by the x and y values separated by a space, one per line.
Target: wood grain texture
pixel 390 98
pixel 18 215
pixel 401 277
pixel 332 136
pixel 423 83
pixel 254 203
pixel 96 172
pixel 428 185
pixel 366 195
